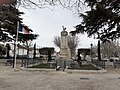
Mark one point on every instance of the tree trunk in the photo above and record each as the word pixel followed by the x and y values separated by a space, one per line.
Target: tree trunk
pixel 99 55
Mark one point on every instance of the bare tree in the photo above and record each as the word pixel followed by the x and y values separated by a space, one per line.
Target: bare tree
pixel 69 4
pixel 73 42
pixel 56 41
pixel 28 45
pixel 35 3
pixel 108 49
pixel 64 3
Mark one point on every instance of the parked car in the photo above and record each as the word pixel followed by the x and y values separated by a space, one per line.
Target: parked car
pixel 114 59
pixel 53 57
pixel 95 58
pixel 102 59
pixel 105 59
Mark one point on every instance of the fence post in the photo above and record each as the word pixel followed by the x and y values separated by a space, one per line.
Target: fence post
pixel 64 66
pixel 27 62
pixel 56 65
pixel 104 64
pixel 22 63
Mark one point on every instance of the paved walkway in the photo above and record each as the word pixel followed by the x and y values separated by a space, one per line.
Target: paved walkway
pixel 58 80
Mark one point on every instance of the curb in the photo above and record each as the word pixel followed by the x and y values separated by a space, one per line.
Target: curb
pixel 66 70
pixel 36 69
pixel 86 71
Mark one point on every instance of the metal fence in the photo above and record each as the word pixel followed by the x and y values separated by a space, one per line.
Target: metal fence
pixel 62 64
pixel 67 64
pixel 99 64
pixel 26 62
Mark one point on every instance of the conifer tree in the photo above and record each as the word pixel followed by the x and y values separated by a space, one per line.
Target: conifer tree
pixel 103 19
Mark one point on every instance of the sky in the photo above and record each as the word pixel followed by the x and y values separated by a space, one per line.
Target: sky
pixel 48 23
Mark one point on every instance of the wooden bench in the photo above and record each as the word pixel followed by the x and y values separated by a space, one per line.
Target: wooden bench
pixel 9 62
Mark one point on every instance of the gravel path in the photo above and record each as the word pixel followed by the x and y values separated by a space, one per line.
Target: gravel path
pixel 57 80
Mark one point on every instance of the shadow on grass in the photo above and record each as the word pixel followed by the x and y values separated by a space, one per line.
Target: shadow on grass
pixel 86 67
pixel 46 66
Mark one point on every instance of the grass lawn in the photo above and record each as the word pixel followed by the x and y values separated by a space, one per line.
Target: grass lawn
pixel 88 67
pixel 83 67
pixel 46 65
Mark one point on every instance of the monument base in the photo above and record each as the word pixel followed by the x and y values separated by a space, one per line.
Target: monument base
pixel 65 54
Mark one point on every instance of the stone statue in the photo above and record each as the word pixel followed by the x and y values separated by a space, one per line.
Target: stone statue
pixel 64 41
pixel 64 49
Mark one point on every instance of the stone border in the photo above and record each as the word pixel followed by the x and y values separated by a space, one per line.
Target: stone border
pixel 86 71
pixel 36 69
pixel 66 70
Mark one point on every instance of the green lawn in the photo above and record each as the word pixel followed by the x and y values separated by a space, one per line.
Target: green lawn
pixel 46 65
pixel 83 67
pixel 88 67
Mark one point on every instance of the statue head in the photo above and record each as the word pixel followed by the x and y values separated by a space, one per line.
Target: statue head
pixel 64 28
pixel 64 33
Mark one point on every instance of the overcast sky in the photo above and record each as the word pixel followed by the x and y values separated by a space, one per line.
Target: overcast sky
pixel 48 23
